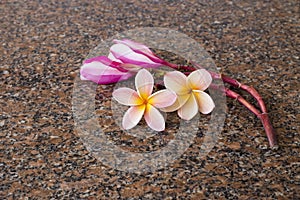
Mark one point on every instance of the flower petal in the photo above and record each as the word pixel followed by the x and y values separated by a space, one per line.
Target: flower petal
pixel 130 67
pixel 154 118
pixel 162 98
pixel 127 96
pixel 113 58
pixel 135 46
pixel 83 78
pixel 103 59
pixel 141 49
pixel 204 101
pixel 199 79
pixel 132 116
pixel 176 81
pixel 189 109
pixel 127 55
pixel 179 102
pixel 102 74
pixel 144 83
pixel 107 62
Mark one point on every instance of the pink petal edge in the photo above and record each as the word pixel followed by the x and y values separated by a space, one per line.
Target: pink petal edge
pixel 141 49
pixel 127 55
pixel 135 46
pixel 102 74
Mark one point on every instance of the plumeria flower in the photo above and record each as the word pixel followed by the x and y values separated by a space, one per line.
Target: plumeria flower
pixel 124 60
pixel 103 70
pixel 132 52
pixel 143 103
pixel 190 95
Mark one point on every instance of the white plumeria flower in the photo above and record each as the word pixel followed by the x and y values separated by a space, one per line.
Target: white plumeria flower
pixel 190 95
pixel 143 102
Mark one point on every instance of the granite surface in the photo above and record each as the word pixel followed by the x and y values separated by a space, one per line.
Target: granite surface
pixel 43 44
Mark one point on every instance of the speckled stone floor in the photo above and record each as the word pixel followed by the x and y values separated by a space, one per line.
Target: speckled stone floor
pixel 43 44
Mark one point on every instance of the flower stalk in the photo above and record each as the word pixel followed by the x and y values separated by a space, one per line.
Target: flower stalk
pixel 262 114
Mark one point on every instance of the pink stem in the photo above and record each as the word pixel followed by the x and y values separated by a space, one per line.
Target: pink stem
pixel 269 129
pixel 239 98
pixel 263 116
pixel 246 88
pixel 270 132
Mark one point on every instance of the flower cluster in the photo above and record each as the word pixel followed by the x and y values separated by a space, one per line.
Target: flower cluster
pixel 182 93
pixel 124 60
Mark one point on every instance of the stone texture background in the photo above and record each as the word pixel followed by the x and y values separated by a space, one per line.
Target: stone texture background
pixel 43 44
